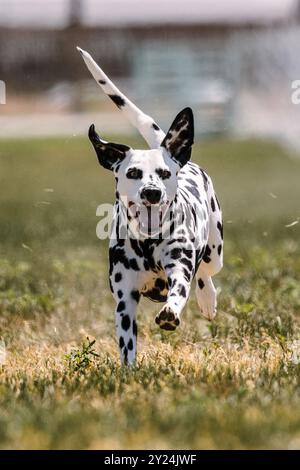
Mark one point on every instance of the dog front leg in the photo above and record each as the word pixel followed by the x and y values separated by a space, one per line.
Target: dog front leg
pixel 127 298
pixel 179 283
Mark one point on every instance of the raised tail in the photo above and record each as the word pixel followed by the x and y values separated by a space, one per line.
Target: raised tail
pixel 147 127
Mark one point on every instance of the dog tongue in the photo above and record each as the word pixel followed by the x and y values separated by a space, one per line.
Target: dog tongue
pixel 149 219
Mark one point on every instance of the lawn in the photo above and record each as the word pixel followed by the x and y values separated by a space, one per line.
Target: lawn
pixel 234 383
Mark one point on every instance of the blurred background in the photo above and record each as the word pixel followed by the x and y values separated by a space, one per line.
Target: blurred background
pixel 232 62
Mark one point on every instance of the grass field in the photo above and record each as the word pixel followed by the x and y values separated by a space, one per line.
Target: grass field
pixel 234 383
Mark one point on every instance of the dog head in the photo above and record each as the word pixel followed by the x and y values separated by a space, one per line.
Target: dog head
pixel 147 179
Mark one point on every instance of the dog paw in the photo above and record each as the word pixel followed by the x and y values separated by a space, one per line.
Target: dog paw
pixel 208 306
pixel 209 311
pixel 207 299
pixel 167 319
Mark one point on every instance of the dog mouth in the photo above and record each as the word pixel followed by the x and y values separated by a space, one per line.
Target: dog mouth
pixel 149 217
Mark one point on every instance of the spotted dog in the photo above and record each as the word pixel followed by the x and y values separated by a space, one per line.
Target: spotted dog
pixel 173 229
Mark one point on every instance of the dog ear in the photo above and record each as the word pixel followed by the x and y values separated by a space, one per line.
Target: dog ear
pixel 180 137
pixel 108 153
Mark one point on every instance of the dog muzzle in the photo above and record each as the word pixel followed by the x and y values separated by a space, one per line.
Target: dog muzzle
pixel 148 219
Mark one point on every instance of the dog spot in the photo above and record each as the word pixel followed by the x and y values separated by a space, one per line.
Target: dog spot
pixel 102 82
pixel 134 328
pixel 220 227
pixel 111 286
pixel 121 342
pixel 135 295
pixel 187 274
pixel 121 306
pixel 194 191
pixel 170 265
pixel 172 227
pixel 118 277
pixel 118 100
pixel 205 180
pixel 206 256
pixel 130 345
pixel 135 246
pixel 125 352
pixel 219 249
pixel 187 263
pixel 212 203
pixel 182 291
pixel 200 283
pixel 188 252
pixel 176 253
pixel 133 264
pixel 125 322
pixel 120 294
pixel 155 126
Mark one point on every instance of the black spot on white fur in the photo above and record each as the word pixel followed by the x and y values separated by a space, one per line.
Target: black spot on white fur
pixel 213 206
pixel 121 306
pixel 134 328
pixel 118 100
pixel 125 323
pixel 135 295
pixel 220 228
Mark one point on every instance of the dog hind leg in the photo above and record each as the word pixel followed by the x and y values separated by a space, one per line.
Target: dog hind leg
pixel 206 295
pixel 212 261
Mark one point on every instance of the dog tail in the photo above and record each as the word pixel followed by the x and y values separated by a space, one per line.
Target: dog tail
pixel 148 128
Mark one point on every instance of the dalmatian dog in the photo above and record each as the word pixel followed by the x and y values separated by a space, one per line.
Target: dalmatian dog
pixel 167 225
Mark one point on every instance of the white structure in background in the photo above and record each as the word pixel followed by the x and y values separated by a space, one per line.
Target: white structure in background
pixel 57 13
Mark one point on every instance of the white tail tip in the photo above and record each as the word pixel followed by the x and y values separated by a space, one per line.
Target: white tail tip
pixel 82 52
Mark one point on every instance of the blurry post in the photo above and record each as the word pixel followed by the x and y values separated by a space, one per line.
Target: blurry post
pixel 75 12
pixel 2 92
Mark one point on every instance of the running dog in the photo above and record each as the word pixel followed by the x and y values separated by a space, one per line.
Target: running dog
pixel 170 217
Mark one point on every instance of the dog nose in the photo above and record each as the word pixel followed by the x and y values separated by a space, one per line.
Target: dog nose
pixel 151 195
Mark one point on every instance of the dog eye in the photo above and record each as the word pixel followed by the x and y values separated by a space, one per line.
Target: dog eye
pixel 163 174
pixel 134 174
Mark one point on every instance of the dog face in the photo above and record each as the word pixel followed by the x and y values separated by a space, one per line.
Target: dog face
pixel 147 179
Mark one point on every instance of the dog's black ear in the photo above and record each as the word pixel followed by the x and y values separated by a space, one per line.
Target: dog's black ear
pixel 108 153
pixel 180 137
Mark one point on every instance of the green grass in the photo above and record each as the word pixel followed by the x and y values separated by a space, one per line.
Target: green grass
pixel 234 383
